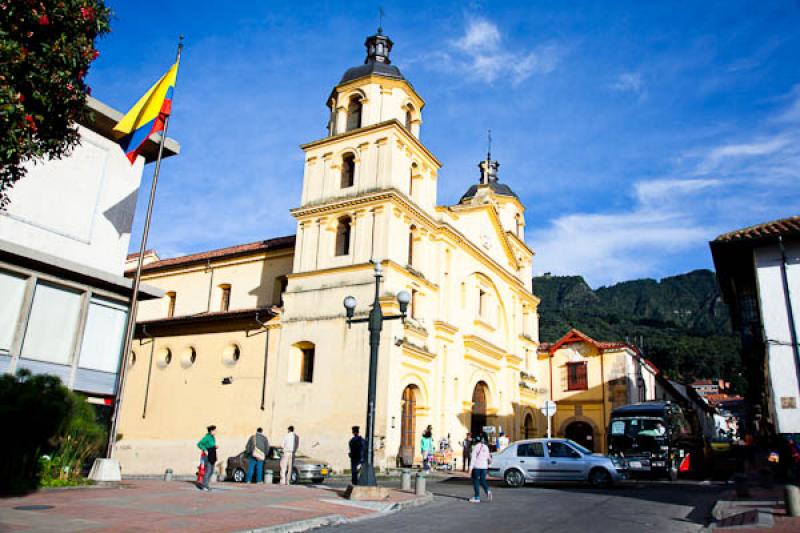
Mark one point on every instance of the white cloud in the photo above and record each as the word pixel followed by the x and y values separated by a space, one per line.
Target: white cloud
pixel 481 55
pixel 629 243
pixel 756 147
pixel 628 82
pixel 710 190
pixel 655 193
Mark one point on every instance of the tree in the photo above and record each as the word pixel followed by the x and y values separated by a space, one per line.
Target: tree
pixel 46 47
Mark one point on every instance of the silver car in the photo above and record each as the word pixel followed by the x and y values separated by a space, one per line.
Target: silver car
pixel 539 460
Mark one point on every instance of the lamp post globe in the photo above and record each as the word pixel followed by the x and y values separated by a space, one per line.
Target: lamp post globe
pixel 403 298
pixel 350 306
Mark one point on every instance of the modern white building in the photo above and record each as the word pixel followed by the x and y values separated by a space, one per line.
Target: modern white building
pixel 759 273
pixel 63 244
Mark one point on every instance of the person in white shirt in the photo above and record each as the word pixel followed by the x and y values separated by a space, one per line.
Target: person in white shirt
pixel 481 459
pixel 290 444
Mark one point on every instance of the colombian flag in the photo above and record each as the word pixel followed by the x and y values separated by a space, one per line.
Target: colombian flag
pixel 147 116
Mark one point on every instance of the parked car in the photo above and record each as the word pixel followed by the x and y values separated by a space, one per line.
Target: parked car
pixel 654 438
pixel 545 460
pixel 305 468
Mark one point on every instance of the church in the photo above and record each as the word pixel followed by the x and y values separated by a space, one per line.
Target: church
pixel 256 335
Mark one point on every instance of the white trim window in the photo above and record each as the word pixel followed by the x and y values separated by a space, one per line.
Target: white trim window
pixel 52 324
pixel 12 289
pixel 103 336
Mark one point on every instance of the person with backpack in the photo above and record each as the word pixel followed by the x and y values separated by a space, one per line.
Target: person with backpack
pixel 358 447
pixel 481 459
pixel 208 457
pixel 256 451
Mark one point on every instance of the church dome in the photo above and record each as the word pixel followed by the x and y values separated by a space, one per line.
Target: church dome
pixel 488 180
pixel 377 61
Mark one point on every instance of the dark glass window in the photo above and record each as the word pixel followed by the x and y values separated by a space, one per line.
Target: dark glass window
pixel 307 368
pixel 576 376
pixel 530 449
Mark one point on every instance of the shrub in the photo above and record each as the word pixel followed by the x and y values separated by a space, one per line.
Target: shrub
pixel 34 411
pixel 48 432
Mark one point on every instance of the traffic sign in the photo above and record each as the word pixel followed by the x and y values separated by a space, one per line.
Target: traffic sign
pixel 549 408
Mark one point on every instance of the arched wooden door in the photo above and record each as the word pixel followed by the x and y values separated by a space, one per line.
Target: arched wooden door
pixel 527 428
pixel 408 426
pixel 580 432
pixel 479 400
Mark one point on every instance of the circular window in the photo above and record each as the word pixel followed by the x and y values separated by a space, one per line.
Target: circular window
pixel 231 354
pixel 188 357
pixel 164 357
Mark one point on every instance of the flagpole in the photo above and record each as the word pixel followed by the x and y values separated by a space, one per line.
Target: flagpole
pixel 131 324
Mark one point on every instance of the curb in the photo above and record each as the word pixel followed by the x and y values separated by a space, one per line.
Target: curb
pixel 300 525
pixel 334 520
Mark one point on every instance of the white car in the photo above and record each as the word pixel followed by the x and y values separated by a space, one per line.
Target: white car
pixel 544 460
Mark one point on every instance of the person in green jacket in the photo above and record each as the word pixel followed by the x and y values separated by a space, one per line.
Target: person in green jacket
pixel 426 447
pixel 208 445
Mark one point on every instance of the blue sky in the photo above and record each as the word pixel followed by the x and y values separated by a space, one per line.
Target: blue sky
pixel 633 132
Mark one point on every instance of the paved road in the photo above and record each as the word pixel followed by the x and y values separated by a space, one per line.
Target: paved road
pixel 652 507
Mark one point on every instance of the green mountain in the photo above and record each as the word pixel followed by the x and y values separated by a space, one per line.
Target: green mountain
pixel 680 323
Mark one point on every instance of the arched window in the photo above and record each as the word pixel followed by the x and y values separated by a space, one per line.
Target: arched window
pixel 411 180
pixel 411 232
pixel 348 170
pixel 343 236
pixel 409 119
pixel 354 110
pixel 518 221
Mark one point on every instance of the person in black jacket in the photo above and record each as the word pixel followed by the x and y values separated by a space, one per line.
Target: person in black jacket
pixel 358 447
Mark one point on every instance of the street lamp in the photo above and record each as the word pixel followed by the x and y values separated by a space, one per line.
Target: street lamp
pixel 375 325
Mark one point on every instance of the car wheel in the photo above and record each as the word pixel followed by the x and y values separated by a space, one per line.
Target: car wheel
pixel 599 477
pixel 293 479
pixel 238 475
pixel 514 478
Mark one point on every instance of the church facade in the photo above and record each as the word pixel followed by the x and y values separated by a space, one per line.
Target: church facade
pixel 256 335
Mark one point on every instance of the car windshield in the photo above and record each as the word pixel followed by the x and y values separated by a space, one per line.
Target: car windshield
pixel 580 448
pixel 638 427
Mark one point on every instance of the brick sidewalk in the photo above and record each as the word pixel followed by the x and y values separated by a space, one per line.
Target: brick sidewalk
pixel 144 505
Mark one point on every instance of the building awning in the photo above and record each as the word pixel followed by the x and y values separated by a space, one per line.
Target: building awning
pixel 25 257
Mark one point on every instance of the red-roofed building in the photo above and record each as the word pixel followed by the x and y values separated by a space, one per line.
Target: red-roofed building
pixel 587 379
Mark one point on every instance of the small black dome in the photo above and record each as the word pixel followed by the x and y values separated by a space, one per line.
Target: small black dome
pixel 377 61
pixel 498 188
pixel 488 179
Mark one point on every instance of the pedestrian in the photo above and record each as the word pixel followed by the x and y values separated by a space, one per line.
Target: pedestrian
pixel 444 443
pixel 481 459
pixel 502 442
pixel 208 447
pixel 256 451
pixel 466 452
pixel 426 447
pixel 291 442
pixel 358 447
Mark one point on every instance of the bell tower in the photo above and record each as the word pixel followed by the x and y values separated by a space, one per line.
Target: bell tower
pixel 372 146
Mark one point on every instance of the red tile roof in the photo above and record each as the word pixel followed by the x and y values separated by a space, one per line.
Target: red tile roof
pixel 231 251
pixel 575 335
pixel 136 254
pixel 784 226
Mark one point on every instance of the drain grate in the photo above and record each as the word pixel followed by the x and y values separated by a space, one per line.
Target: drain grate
pixel 33 507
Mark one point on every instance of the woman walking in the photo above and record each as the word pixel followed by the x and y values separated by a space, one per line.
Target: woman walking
pixel 208 445
pixel 481 459
pixel 426 447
